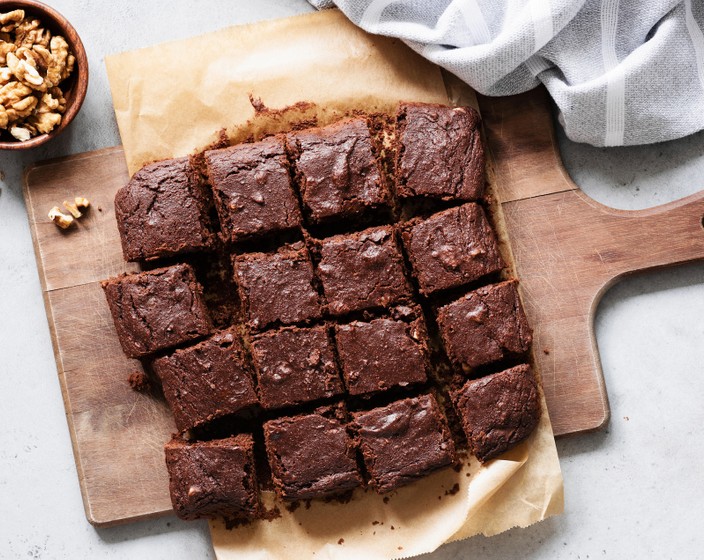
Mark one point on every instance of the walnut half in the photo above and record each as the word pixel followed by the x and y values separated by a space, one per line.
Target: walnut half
pixel 64 221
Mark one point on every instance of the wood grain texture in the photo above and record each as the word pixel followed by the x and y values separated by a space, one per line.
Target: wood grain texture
pixel 567 249
pixel 117 433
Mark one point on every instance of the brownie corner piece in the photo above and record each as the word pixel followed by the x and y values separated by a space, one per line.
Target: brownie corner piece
pixel 498 411
pixel 207 381
pixel 484 326
pixel 403 441
pixel 338 175
pixel 439 152
pixel 295 366
pixel 311 456
pixel 157 309
pixel 451 248
pixel 362 270
pixel 252 189
pixel 378 355
pixel 277 288
pixel 215 478
pixel 163 211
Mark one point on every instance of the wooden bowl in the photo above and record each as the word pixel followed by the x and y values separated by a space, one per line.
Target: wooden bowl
pixel 74 87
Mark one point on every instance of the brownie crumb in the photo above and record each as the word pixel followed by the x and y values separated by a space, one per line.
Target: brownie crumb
pixel 375 522
pixel 271 514
pixel 139 382
pixel 386 499
pixel 340 541
pixel 293 506
pixel 452 491
pixel 546 351
pixel 393 528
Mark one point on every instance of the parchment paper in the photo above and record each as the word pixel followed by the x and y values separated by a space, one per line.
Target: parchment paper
pixel 171 100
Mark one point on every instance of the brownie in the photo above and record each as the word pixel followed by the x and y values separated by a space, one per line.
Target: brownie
pixel 216 478
pixel 485 325
pixel 157 310
pixel 252 189
pixel 362 270
pixel 277 288
pixel 163 211
pixel 207 381
pixel 498 411
pixel 403 441
pixel 439 153
pixel 310 456
pixel 337 172
pixel 380 354
pixel 294 366
pixel 451 248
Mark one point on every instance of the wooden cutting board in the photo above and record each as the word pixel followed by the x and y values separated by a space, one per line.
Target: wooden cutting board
pixel 567 250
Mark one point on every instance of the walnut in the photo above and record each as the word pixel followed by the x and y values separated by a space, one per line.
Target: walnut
pixel 17 100
pixel 9 20
pixel 32 65
pixel 5 75
pixel 24 67
pixel 4 49
pixel 64 221
pixel 43 123
pixel 82 202
pixel 57 94
pixel 61 63
pixel 72 207
pixel 25 32
pixel 21 133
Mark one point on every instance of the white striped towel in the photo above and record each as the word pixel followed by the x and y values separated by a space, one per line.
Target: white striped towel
pixel 621 72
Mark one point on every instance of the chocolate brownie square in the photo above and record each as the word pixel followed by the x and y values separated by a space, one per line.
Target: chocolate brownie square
pixel 207 381
pixel 337 172
pixel 403 441
pixel 157 310
pixel 485 326
pixel 277 288
pixel 451 248
pixel 310 456
pixel 381 354
pixel 439 152
pixel 498 411
pixel 294 366
pixel 363 270
pixel 252 189
pixel 163 211
pixel 216 478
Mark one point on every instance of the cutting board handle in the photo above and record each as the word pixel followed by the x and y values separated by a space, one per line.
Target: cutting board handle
pixel 568 249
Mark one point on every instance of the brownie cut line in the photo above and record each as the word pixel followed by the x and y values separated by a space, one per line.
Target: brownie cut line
pixel 157 310
pixel 403 441
pixel 310 456
pixel 451 248
pixel 362 270
pixel 381 354
pixel 207 381
pixel 295 366
pixel 439 153
pixel 163 212
pixel 338 175
pixel 252 190
pixel 209 479
pixel 277 288
pixel 498 411
pixel 485 326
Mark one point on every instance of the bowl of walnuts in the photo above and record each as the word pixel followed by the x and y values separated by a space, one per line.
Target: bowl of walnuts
pixel 43 74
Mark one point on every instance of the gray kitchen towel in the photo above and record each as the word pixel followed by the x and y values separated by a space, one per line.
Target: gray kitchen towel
pixel 621 72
